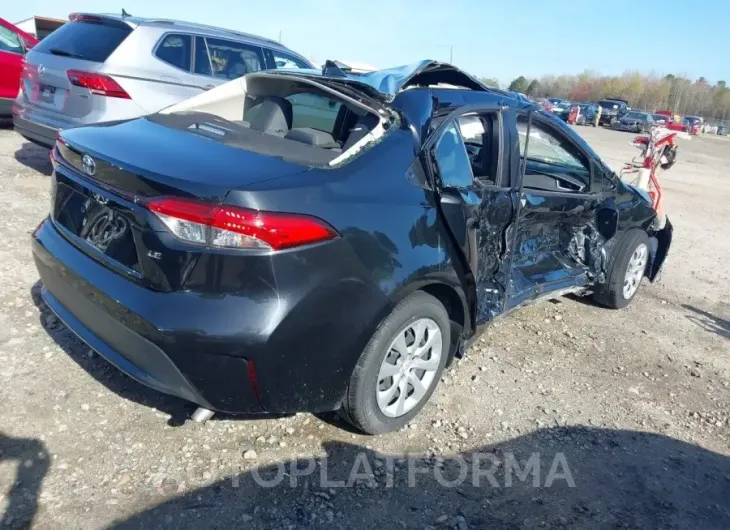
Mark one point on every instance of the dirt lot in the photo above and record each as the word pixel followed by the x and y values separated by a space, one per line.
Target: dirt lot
pixel 631 407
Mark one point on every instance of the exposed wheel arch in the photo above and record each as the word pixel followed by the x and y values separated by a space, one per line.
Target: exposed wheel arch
pixel 458 314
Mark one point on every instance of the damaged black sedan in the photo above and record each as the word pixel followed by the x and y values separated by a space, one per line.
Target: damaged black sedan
pixel 313 241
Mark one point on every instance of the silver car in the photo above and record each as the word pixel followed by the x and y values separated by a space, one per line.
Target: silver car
pixel 105 67
pixel 634 121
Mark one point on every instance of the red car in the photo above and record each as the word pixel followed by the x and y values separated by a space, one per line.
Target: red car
pixel 688 124
pixel 14 42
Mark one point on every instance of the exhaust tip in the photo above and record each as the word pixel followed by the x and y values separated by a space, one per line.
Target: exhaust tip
pixel 201 415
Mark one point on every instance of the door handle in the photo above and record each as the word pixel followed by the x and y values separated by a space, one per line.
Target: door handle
pixel 208 87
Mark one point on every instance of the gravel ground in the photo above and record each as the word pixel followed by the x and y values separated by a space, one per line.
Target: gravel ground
pixel 612 418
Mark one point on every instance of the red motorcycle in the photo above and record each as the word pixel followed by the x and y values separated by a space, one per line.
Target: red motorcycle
pixel 658 150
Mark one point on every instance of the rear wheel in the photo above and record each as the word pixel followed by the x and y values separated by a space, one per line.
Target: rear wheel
pixel 400 367
pixel 625 271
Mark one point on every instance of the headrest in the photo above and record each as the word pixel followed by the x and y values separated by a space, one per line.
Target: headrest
pixel 313 137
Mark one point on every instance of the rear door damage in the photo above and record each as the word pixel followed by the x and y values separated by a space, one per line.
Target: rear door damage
pixel 545 230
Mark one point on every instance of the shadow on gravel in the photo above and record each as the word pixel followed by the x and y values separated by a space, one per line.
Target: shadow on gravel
pixel 30 458
pixel 572 477
pixel 102 371
pixel 708 321
pixel 116 380
pixel 35 157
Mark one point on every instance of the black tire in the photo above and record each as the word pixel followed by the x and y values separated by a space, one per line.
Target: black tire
pixel 360 407
pixel 610 293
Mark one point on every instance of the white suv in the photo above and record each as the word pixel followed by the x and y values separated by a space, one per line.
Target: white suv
pixel 106 67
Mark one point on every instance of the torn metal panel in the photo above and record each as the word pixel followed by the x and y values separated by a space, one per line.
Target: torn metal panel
pixel 557 245
pixel 587 247
pixel 492 257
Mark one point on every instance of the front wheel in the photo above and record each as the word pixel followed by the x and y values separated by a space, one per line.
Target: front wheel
pixel 625 271
pixel 400 367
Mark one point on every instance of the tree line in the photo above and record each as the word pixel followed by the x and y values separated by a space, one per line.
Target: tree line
pixel 643 91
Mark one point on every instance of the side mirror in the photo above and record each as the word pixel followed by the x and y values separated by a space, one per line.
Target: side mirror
pixel 607 222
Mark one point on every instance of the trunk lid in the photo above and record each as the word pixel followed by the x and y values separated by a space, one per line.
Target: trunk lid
pixel 105 174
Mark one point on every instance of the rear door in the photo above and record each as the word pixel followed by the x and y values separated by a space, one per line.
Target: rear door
pixel 555 232
pixel 81 45
pixel 11 58
pixel 477 202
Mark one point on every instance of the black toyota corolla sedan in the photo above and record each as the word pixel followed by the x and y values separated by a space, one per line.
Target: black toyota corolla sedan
pixel 319 240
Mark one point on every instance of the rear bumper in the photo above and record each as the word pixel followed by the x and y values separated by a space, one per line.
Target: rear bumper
pixel 607 119
pixel 35 132
pixel 216 382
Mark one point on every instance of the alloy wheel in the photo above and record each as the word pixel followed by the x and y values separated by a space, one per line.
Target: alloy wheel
pixel 635 270
pixel 409 368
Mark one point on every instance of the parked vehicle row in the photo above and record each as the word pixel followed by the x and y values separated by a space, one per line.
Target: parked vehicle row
pixel 105 67
pixel 617 114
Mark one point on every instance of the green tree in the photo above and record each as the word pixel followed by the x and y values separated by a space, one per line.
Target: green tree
pixel 490 81
pixel 519 85
pixel 533 87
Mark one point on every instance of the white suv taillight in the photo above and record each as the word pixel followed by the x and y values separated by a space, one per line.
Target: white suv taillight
pixel 98 84
pixel 224 226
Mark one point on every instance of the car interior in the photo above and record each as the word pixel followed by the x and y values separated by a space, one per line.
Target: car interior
pixel 312 118
pixel 482 145
pixel 283 117
pixel 551 164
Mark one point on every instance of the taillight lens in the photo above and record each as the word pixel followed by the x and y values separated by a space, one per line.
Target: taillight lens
pixel 98 84
pixel 224 226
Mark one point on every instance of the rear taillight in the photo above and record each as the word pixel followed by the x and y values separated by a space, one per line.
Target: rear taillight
pixel 98 84
pixel 224 226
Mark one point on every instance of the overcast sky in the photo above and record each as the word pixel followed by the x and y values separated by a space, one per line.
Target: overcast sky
pixel 497 39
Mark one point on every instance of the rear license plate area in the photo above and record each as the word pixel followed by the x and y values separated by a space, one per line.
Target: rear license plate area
pixel 98 221
pixel 46 93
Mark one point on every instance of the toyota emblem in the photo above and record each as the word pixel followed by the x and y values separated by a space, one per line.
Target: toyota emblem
pixel 41 70
pixel 89 165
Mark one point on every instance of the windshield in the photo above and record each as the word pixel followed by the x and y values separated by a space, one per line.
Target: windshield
pixel 637 116
pixel 692 120
pixel 660 117
pixel 611 105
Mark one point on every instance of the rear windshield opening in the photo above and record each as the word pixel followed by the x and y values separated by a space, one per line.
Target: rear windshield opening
pixel 88 40
pixel 282 117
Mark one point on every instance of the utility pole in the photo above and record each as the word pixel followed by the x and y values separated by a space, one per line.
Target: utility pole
pixel 280 32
